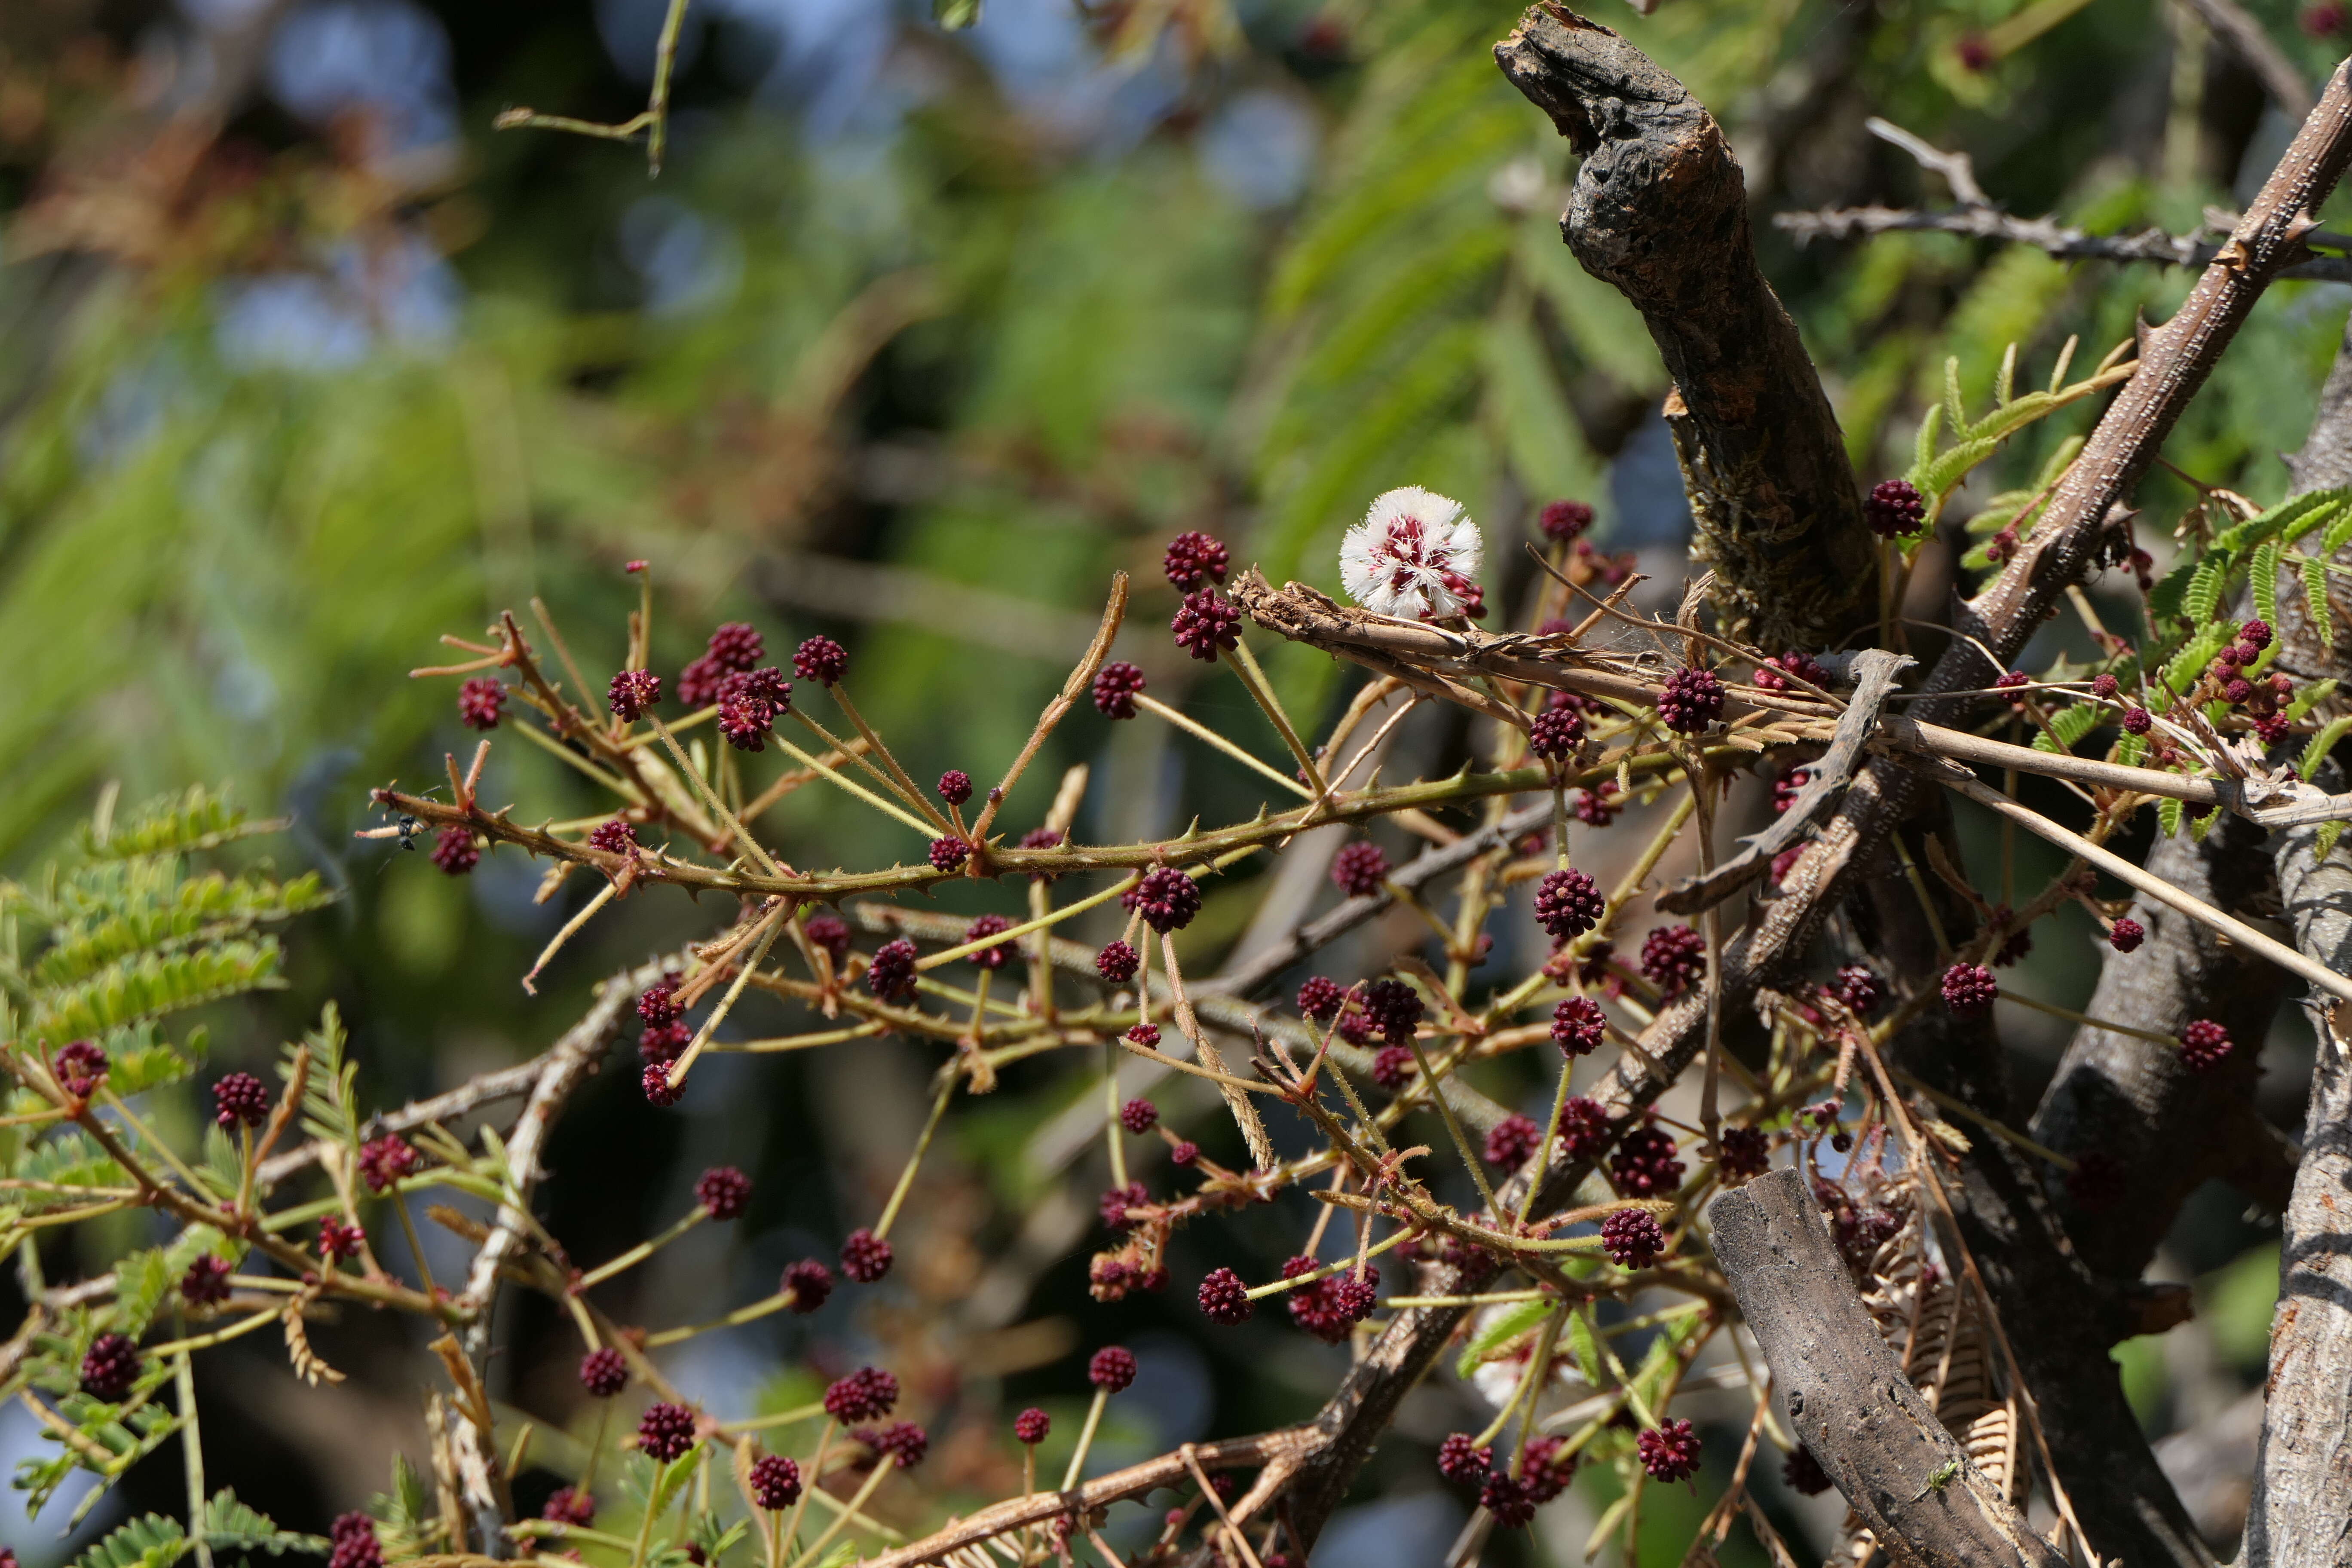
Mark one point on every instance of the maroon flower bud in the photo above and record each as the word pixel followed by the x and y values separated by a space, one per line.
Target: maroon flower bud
pixel 1598 807
pixel 455 852
pixel 1138 1116
pixel 1744 1151
pixel 569 1505
pixel 1116 685
pixel 2103 686
pixel 1205 623
pixel 1568 903
pixel 1583 1130
pixel 1555 734
pixel 1145 1034
pixel 1577 1026
pixel 891 975
pixel 735 646
pixel 955 786
pixel 240 1098
pixel 1459 1459
pixel 2204 1045
pixel 1632 1238
pixel 2235 692
pixel 2255 634
pixel 1857 986
pixel 80 1068
pixel 697 683
pixel 2138 720
pixel 615 836
pixel 1970 989
pixel 775 1482
pixel 1319 998
pixel 864 1257
pixel 658 1088
pixel 903 1441
pixel 1360 868
pixel 1644 1166
pixel 1504 1495
pixel 2127 935
pixel 1894 508
pixel 1395 1007
pixel 205 1284
pixel 1118 963
pixel 478 703
pixel 1691 699
pixel 1112 1369
pixel 987 926
pixel 386 1161
pixel 1669 1450
pixel 1031 1425
pixel 1511 1140
pixel 1788 787
pixel 355 1542
pixel 109 1369
pixel 337 1239
pixel 866 1394
pixel 1562 521
pixel 665 1432
pixel 723 1192
pixel 604 1373
pixel 809 1283
pixel 948 854
pixel 1166 898
pixel 830 933
pixel 632 692
pixel 1392 1068
pixel 1114 1203
pixel 821 660
pixel 1184 1154
pixel 1225 1298
pixel 1192 556
pixel 1674 958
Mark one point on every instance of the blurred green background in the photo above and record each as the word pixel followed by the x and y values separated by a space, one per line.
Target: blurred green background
pixel 914 339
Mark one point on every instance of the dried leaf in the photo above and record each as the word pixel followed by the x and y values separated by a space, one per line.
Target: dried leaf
pixel 308 1364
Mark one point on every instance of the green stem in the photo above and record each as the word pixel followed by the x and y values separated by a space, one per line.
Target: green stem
pixel 1086 1439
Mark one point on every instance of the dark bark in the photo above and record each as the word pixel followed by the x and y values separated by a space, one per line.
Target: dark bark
pixel 2302 1511
pixel 2131 1101
pixel 1844 1393
pixel 1659 210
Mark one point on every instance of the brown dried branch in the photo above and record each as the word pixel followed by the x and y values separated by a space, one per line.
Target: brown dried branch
pixel 1660 210
pixel 2047 234
pixel 1277 1453
pixel 1845 1394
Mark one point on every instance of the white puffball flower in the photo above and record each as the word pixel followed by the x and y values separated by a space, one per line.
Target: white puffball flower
pixel 1413 556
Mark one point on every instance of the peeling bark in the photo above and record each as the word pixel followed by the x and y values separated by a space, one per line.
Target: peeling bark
pixel 1659 211
pixel 2301 1511
pixel 1844 1393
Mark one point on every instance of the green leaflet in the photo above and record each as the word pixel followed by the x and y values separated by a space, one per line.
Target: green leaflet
pixel 2204 590
pixel 2070 723
pixel 955 15
pixel 2261 577
pixel 140 1281
pixel 230 1525
pixel 152 1541
pixel 1512 1323
pixel 2287 521
pixel 2322 844
pixel 2164 599
pixel 211 907
pixel 2315 752
pixel 329 1095
pixel 2315 596
pixel 199 819
pixel 2311 696
pixel 134 990
pixel 2168 816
